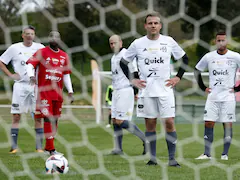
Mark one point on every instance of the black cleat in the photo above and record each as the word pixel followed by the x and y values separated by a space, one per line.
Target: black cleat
pixel 152 163
pixel 144 149
pixel 116 152
pixel 173 163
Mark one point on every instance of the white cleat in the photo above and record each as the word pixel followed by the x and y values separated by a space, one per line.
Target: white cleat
pixel 108 125
pixel 224 157
pixel 203 156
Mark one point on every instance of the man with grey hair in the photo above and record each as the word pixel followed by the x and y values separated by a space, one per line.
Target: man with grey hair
pixel 23 98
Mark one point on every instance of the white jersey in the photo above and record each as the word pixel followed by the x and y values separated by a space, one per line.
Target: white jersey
pixel 153 60
pixel 119 79
pixel 222 72
pixel 18 54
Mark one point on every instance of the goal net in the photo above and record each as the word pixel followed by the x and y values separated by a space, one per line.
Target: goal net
pixel 85 26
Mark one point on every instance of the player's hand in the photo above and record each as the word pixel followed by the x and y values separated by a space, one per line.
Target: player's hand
pixel 32 80
pixel 70 98
pixel 15 76
pixel 173 81
pixel 208 90
pixel 138 83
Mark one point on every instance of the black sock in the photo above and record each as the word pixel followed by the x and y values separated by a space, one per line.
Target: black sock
pixel 14 135
pixel 118 137
pixel 132 128
pixel 151 138
pixel 39 138
pixel 109 119
pixel 171 139
pixel 208 139
pixel 227 140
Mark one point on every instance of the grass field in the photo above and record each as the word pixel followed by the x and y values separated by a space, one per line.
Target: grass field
pixel 86 146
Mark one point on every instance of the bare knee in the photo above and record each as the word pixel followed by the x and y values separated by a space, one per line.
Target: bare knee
pixel 169 125
pixel 16 118
pixel 209 124
pixel 150 124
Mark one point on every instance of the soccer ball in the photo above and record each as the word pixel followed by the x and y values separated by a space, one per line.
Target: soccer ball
pixel 56 164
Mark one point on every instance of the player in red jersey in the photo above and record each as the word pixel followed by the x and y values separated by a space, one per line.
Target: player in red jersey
pixel 52 70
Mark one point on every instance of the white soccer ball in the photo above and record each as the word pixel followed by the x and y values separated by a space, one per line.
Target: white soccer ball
pixel 56 164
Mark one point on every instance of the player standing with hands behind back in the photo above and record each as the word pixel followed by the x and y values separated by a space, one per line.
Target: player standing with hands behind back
pixel 156 97
pixel 53 69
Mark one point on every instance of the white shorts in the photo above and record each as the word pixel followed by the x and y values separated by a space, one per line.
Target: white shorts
pixel 220 111
pixel 154 107
pixel 23 98
pixel 123 104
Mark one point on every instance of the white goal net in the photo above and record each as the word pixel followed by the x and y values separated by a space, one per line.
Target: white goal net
pixel 85 26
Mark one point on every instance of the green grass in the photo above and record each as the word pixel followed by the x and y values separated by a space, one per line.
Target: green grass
pixel 86 146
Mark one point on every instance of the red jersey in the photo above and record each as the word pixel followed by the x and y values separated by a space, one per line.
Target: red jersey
pixel 51 66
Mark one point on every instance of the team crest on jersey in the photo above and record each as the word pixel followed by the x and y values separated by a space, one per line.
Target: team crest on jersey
pixel 47 60
pixel 44 102
pixel 55 61
pixel 62 61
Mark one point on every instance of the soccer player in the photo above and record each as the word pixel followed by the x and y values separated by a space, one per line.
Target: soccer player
pixel 53 69
pixel 108 99
pixel 156 97
pixel 23 99
pixel 122 99
pixel 220 106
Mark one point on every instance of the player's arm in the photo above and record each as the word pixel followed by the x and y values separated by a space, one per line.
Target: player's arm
pixel 32 63
pixel 5 58
pixel 68 84
pixel 129 71
pixel 198 77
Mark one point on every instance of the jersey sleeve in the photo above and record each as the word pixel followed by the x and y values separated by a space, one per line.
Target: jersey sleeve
pixel 35 59
pixel 131 52
pixel 7 56
pixel 202 64
pixel 177 51
pixel 238 60
pixel 67 67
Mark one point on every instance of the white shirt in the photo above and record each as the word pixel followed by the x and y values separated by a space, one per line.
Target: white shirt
pixel 18 54
pixel 222 73
pixel 119 79
pixel 153 60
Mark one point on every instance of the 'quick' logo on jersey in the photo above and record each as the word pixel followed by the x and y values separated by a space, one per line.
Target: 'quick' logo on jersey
pixel 53 78
pixel 153 61
pixel 222 72
pixel 115 72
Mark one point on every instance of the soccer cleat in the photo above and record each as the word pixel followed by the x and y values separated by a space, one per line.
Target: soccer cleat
pixel 108 125
pixel 52 152
pixel 203 156
pixel 116 152
pixel 173 163
pixel 152 163
pixel 13 151
pixel 224 157
pixel 39 150
pixel 144 149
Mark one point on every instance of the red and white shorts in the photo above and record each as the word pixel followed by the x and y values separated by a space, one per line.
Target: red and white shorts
pixel 48 108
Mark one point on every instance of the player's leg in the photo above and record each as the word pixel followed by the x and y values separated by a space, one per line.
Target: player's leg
pixel 227 116
pixel 227 139
pixel 147 108
pixel 16 116
pixel 118 135
pixel 39 134
pixel 109 119
pixel 167 112
pixel 211 114
pixel 171 140
pixel 31 100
